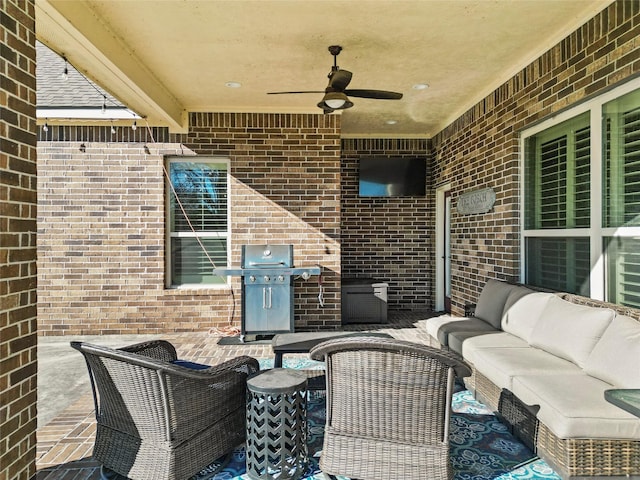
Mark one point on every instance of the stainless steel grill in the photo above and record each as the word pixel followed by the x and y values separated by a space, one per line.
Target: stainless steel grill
pixel 267 288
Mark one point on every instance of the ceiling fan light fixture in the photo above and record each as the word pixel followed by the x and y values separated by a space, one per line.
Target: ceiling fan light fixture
pixel 336 100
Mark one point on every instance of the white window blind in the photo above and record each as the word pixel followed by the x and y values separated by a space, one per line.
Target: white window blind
pixel 198 219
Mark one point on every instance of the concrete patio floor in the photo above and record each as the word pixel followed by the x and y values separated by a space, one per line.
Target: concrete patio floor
pixel 66 424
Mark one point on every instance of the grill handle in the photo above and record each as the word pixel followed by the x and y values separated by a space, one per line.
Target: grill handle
pixel 266 299
pixel 266 264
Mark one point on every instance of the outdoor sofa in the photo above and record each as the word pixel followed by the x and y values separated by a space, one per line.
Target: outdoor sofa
pixel 543 361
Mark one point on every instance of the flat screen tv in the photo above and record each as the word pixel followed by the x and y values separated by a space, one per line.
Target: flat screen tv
pixel 392 177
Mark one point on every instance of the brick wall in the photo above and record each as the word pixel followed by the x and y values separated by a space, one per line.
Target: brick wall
pixel 480 149
pixel 286 189
pixel 18 364
pixel 389 239
pixel 101 220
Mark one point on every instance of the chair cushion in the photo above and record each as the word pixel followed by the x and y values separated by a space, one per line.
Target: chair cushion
pixel 570 331
pixel 616 357
pixel 492 300
pixel 573 406
pixel 522 314
pixel 501 365
pixel 191 365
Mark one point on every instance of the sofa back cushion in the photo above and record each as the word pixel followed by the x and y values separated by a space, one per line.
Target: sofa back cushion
pixel 522 313
pixel 616 357
pixel 491 302
pixel 570 331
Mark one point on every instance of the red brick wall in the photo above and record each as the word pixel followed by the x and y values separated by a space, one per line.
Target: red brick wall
pixel 18 363
pixel 389 239
pixel 480 149
pixel 101 231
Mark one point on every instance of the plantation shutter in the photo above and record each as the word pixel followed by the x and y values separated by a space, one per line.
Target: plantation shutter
pixel 622 197
pixel 557 179
pixel 622 168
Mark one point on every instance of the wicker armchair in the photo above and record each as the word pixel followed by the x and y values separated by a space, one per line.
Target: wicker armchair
pixel 388 408
pixel 157 420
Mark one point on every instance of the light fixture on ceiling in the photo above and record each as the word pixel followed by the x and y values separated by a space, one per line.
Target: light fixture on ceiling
pixel 45 128
pixel 420 86
pixel 391 122
pixel 337 101
pixel 233 84
pixel 134 127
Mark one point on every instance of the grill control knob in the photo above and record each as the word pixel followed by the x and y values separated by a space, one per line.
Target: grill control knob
pixel 252 278
pixel 281 278
pixel 267 278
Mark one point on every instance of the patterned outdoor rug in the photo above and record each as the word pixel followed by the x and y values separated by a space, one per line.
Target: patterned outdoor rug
pixel 481 447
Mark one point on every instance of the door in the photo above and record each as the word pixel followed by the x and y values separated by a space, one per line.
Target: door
pixel 446 243
pixel 443 249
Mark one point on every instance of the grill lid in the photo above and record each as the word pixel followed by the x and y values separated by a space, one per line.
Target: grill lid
pixel 268 260
pixel 267 256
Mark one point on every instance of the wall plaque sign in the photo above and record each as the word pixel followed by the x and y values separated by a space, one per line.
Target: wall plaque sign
pixel 478 201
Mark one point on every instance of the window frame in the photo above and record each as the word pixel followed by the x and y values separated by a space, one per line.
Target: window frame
pixel 595 232
pixel 169 234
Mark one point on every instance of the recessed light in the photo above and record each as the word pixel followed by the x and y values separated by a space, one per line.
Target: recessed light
pixel 233 84
pixel 391 122
pixel 420 86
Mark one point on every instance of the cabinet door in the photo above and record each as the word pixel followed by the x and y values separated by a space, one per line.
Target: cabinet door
pixel 279 307
pixel 255 313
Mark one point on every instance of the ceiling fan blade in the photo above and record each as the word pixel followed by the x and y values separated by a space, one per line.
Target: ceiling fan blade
pixel 304 91
pixel 377 94
pixel 339 79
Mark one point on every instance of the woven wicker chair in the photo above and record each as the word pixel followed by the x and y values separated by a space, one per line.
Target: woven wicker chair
pixel 157 420
pixel 388 408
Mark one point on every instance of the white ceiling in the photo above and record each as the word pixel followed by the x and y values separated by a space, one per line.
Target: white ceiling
pixel 163 58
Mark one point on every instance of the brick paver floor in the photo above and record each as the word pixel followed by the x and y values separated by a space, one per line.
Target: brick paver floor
pixel 66 442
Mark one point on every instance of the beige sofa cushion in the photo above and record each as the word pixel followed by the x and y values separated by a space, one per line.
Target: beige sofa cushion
pixel 568 330
pixel 491 301
pixel 501 365
pixel 573 406
pixel 493 340
pixel 616 357
pixel 522 315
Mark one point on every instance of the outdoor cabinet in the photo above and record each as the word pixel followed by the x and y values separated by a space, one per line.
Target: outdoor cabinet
pixel 364 300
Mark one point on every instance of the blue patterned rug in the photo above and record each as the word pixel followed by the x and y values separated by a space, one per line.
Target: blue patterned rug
pixel 481 447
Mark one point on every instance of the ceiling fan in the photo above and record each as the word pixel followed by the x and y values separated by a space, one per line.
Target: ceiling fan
pixel 336 95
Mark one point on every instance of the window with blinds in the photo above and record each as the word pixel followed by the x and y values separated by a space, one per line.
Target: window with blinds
pixel 198 220
pixel 560 264
pixel 581 230
pixel 558 178
pixel 557 197
pixel 623 270
pixel 621 190
pixel 622 161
